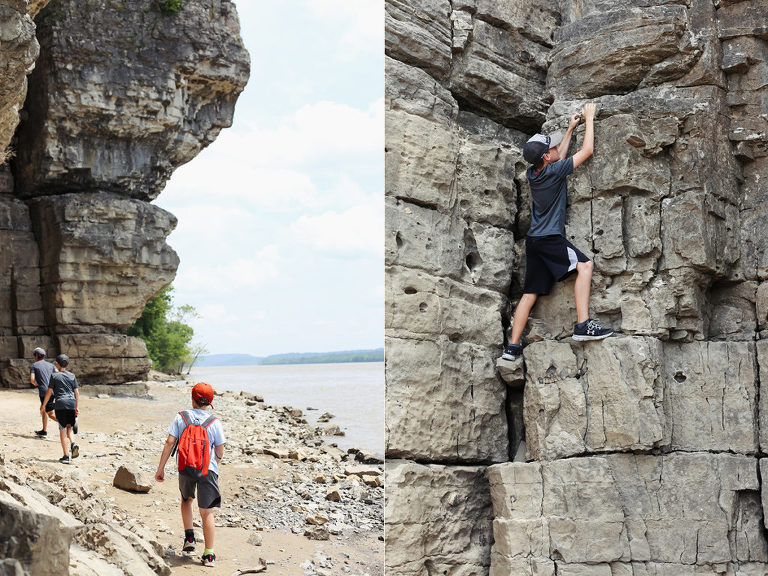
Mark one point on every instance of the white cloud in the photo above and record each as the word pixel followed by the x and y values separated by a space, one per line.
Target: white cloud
pixel 362 21
pixel 359 230
pixel 323 134
pixel 276 169
pixel 223 279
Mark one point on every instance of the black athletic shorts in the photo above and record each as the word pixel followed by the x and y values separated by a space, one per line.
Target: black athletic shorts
pixel 548 259
pixel 65 417
pixel 49 406
pixel 208 494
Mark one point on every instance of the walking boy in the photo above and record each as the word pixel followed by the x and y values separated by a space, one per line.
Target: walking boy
pixel 549 256
pixel 63 386
pixel 207 485
pixel 39 377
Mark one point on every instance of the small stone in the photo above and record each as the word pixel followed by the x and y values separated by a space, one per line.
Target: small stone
pixel 333 430
pixel 333 494
pixel 281 453
pixel 296 454
pixel 317 533
pixel 317 520
pixel 371 480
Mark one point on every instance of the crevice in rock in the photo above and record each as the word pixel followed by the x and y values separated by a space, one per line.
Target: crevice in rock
pixel 418 202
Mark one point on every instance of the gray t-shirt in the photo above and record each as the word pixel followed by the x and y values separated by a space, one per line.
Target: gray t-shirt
pixel 64 384
pixel 42 371
pixel 548 195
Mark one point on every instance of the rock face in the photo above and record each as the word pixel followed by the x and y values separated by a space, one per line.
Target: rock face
pixel 106 120
pixel 643 451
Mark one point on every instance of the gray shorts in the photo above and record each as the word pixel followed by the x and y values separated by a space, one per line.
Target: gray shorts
pixel 208 494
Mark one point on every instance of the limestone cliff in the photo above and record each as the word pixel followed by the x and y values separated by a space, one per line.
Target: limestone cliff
pixel 120 94
pixel 638 455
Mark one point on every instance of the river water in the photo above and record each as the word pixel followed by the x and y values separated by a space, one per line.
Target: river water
pixel 353 392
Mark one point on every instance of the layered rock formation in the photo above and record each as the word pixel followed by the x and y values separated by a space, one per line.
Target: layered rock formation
pixel 644 451
pixel 52 522
pixel 121 94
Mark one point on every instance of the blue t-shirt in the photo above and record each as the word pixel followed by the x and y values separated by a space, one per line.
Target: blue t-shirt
pixel 215 432
pixel 42 371
pixel 548 198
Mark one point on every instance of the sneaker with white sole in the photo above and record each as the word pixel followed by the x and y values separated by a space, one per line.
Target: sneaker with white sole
pixel 75 449
pixel 189 545
pixel 65 459
pixel 209 559
pixel 512 352
pixel 590 330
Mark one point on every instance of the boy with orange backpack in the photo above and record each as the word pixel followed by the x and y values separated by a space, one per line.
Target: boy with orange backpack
pixel 199 438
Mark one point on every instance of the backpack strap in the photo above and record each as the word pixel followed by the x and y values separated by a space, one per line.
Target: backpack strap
pixel 185 417
pixel 208 421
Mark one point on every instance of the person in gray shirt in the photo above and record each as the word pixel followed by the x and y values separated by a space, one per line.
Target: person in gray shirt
pixel 63 386
pixel 550 257
pixel 39 377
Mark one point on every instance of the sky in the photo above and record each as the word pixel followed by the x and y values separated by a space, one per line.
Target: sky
pixel 281 219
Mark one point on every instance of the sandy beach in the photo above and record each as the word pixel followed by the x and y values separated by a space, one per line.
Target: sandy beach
pixel 276 478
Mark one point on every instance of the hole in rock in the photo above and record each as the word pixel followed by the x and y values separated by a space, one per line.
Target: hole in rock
pixel 473 260
pixel 399 240
pixel 410 290
pixel 423 307
pixel 680 377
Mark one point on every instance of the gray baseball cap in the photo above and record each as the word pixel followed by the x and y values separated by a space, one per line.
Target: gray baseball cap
pixel 38 351
pixel 62 360
pixel 539 144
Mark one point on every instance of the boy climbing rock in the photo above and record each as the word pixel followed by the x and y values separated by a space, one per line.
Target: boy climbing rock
pixel 198 465
pixel 550 257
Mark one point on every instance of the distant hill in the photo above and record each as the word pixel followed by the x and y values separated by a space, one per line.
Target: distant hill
pixel 228 360
pixel 374 355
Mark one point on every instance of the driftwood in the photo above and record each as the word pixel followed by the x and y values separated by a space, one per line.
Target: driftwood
pixel 262 567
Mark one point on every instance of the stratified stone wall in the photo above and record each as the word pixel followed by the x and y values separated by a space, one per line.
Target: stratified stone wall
pixel 643 451
pixel 107 118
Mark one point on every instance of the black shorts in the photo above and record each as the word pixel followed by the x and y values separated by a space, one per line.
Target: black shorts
pixel 548 259
pixel 49 406
pixel 208 494
pixel 65 417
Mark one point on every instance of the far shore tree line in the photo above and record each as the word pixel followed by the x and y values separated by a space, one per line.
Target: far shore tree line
pixel 168 337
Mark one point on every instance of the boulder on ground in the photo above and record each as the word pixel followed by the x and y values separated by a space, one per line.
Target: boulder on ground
pixel 132 479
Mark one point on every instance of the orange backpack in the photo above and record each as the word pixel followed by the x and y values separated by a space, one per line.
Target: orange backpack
pixel 194 447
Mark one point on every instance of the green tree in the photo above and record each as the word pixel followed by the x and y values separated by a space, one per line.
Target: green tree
pixel 163 327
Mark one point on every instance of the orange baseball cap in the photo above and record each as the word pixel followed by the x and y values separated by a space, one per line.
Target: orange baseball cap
pixel 202 393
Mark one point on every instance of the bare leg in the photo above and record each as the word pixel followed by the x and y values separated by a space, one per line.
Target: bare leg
pixel 206 514
pixel 45 422
pixel 521 316
pixel 52 416
pixel 582 288
pixel 186 513
pixel 63 438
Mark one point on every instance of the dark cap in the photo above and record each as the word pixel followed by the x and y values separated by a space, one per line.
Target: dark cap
pixel 202 393
pixel 538 145
pixel 62 360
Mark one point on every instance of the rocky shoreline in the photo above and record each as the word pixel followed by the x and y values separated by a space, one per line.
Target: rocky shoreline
pixel 279 480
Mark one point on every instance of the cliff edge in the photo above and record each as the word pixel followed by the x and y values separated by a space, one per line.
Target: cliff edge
pixel 119 94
